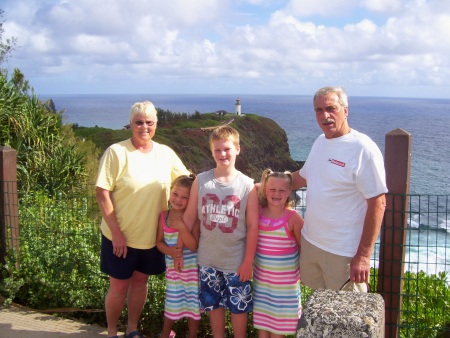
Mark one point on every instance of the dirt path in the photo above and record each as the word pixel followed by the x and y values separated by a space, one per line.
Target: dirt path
pixel 223 124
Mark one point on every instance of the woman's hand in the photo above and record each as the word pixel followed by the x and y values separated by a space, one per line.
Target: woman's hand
pixel 119 244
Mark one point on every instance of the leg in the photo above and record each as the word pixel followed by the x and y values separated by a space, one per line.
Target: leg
pixel 193 326
pixel 239 323
pixel 267 334
pixel 114 302
pixel 336 271
pixel 239 300
pixel 263 334
pixel 167 327
pixel 217 320
pixel 273 335
pixel 137 294
pixel 311 273
pixel 211 298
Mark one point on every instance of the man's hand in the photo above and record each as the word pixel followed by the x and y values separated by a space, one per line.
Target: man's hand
pixel 360 269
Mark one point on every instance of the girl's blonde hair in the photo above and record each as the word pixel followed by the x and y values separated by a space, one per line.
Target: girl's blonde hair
pixel 183 181
pixel 268 173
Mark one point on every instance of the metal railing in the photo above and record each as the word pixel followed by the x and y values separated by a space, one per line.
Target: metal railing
pixel 65 236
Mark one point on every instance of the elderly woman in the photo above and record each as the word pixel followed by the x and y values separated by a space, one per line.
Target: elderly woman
pixel 132 189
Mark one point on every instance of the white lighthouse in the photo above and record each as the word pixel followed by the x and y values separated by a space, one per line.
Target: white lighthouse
pixel 238 106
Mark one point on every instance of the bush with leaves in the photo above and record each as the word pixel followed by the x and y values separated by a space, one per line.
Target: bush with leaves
pixel 426 305
pixel 59 255
pixel 49 156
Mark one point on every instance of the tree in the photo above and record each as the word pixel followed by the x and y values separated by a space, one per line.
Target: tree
pixel 49 156
pixel 9 45
pixel 19 81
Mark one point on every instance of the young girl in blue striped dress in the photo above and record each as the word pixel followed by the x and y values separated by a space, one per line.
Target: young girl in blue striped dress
pixel 179 244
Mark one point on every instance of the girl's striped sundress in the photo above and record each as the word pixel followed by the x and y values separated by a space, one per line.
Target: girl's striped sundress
pixel 181 287
pixel 277 303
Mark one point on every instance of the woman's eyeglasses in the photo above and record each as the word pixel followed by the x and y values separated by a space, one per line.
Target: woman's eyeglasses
pixel 141 123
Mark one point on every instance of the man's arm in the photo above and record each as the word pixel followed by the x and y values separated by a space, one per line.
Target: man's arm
pixel 299 181
pixel 360 264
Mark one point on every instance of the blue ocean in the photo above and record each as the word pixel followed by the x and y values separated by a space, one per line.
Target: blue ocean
pixel 427 120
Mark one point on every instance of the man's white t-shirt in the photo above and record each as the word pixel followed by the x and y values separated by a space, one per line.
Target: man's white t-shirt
pixel 341 173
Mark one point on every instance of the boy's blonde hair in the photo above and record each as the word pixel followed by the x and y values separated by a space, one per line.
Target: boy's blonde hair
pixel 224 133
pixel 287 175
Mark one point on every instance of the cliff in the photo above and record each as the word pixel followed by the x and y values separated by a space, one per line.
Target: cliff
pixel 263 142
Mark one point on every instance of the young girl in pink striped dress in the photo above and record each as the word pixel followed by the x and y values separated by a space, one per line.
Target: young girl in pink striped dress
pixel 277 306
pixel 179 244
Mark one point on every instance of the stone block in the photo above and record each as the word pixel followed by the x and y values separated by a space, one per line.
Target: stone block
pixel 339 314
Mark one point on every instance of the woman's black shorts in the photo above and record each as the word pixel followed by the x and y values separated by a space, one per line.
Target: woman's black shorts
pixel 147 261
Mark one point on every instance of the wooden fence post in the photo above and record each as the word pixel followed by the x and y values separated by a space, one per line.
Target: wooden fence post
pixel 397 159
pixel 9 213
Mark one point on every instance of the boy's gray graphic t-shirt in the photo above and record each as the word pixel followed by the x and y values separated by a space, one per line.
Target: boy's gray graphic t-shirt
pixel 222 221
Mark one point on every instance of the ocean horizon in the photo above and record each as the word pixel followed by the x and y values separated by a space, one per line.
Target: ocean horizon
pixel 425 119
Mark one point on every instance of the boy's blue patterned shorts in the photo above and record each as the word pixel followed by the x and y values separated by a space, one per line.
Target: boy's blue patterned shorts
pixel 222 289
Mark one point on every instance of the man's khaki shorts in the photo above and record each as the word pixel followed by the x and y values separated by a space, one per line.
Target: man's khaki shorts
pixel 320 269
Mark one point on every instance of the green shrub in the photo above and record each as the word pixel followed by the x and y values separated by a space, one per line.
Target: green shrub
pixel 58 265
pixel 59 268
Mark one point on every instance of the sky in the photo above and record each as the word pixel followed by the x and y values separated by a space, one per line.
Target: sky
pixel 390 48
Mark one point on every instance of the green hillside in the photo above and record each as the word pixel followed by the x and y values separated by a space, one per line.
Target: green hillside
pixel 264 143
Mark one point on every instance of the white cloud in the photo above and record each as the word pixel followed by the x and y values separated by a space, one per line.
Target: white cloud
pixel 324 8
pixel 192 12
pixel 383 5
pixel 176 44
pixel 364 27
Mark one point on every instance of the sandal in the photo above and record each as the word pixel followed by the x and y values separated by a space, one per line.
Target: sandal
pixel 172 334
pixel 133 334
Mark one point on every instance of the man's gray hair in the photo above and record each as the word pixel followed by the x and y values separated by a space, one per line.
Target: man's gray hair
pixel 340 92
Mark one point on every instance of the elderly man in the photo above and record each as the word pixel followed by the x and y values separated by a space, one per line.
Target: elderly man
pixel 345 200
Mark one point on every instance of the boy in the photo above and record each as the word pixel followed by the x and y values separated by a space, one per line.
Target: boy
pixel 226 203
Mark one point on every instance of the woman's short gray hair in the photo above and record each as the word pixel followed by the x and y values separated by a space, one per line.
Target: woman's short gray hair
pixel 145 108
